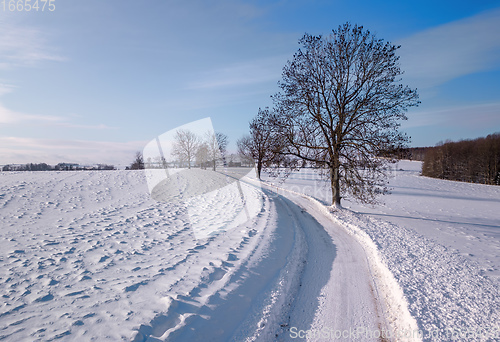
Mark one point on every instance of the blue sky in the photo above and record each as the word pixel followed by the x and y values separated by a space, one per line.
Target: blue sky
pixel 94 81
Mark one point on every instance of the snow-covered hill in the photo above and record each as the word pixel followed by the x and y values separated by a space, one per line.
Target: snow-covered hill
pixel 91 256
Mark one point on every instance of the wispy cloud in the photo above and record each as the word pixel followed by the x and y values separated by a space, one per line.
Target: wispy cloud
pixel 241 74
pixel 6 88
pixel 53 151
pixel 437 55
pixel 24 46
pixel 93 127
pixel 476 116
pixel 8 116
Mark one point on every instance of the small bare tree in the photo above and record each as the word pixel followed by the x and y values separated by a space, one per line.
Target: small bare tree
pixel 202 156
pixel 222 141
pixel 340 107
pixel 261 145
pixel 185 146
pixel 216 144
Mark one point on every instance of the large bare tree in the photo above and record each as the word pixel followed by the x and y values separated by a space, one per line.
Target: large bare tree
pixel 340 107
pixel 185 146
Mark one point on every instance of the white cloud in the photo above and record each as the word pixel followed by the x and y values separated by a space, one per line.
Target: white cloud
pixel 52 151
pixel 8 116
pixel 437 55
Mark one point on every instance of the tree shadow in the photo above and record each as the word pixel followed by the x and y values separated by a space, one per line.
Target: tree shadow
pixel 465 198
pixel 317 275
pixel 429 219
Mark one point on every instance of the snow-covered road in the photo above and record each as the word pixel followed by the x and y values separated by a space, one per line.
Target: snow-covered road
pixel 337 297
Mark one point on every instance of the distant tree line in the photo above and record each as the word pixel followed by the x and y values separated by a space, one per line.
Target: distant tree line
pixel 416 153
pixel 475 161
pixel 58 167
pixel 409 153
pixel 27 167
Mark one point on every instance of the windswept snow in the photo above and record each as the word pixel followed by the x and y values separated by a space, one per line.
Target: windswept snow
pixel 219 257
pixel 91 256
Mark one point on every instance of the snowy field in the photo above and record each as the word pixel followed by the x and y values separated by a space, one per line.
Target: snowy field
pixel 92 256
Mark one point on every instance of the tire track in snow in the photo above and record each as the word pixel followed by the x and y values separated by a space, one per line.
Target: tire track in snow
pixel 246 302
pixel 336 292
pixel 251 304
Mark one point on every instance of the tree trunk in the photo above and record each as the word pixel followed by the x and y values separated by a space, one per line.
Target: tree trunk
pixel 214 165
pixel 258 169
pixel 335 184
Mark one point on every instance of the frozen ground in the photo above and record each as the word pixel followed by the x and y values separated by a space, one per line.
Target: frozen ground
pixel 93 256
